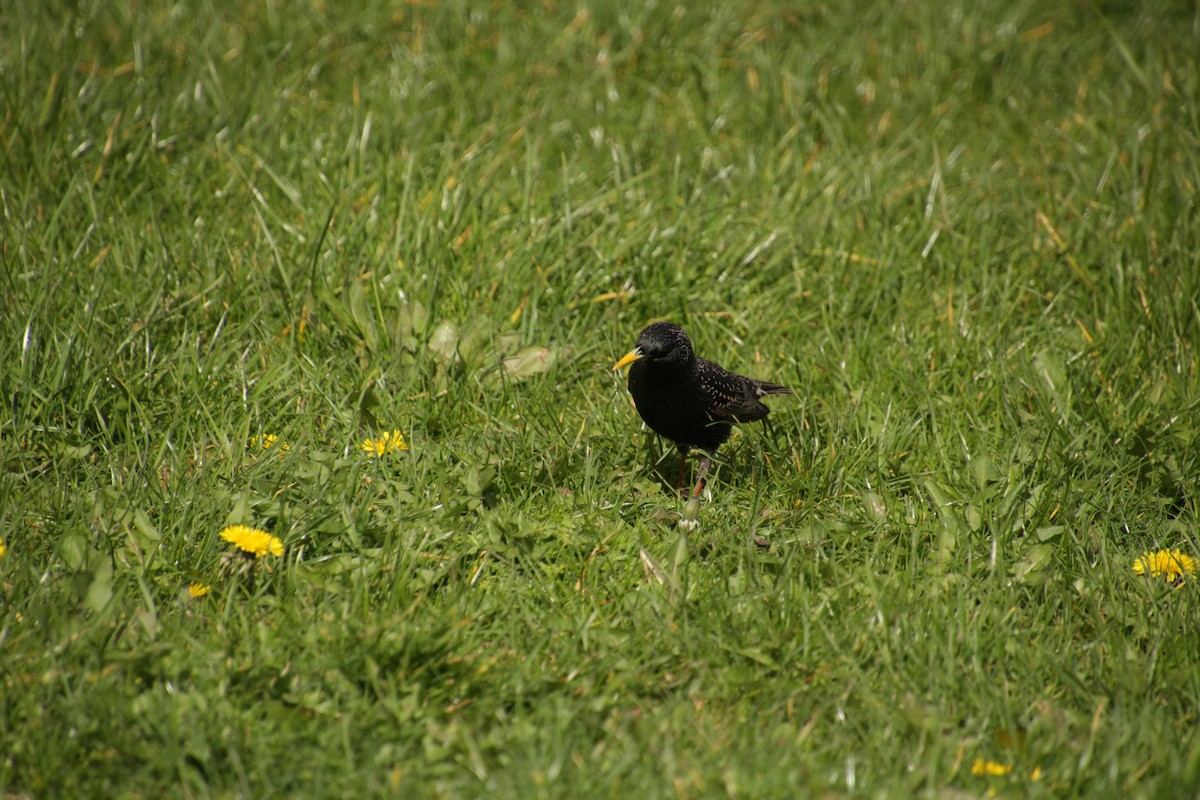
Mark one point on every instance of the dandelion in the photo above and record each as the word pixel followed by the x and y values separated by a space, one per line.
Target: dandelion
pixel 252 541
pixel 265 441
pixel 197 590
pixel 982 767
pixel 3 549
pixel 388 443
pixel 1171 564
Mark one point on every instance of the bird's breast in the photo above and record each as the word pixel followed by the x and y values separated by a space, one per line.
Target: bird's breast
pixel 675 405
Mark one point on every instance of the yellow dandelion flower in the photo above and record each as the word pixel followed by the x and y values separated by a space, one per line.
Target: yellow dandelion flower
pixel 197 590
pixel 388 443
pixel 252 540
pixel 982 767
pixel 3 549
pixel 1171 564
pixel 265 441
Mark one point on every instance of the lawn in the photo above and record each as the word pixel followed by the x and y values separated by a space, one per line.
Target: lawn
pixel 355 275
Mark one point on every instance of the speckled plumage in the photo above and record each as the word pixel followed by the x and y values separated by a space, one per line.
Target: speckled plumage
pixel 687 399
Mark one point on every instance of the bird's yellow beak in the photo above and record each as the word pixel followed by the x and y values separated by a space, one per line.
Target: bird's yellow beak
pixel 630 357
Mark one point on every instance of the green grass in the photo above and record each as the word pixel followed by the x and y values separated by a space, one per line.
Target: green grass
pixel 966 234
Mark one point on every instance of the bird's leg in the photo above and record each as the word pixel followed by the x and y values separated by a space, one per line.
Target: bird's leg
pixel 691 510
pixel 683 454
pixel 701 478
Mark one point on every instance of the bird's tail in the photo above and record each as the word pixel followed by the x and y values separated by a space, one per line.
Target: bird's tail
pixel 762 388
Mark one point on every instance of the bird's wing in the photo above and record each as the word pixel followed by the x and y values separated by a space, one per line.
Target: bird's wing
pixel 735 398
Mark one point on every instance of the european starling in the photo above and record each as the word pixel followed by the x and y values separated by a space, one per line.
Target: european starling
pixel 691 401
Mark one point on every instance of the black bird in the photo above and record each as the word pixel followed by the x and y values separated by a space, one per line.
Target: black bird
pixel 691 401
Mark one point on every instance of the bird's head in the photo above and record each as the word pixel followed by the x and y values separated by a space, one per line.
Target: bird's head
pixel 661 343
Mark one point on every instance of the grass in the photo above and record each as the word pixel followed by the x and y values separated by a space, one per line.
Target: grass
pixel 966 235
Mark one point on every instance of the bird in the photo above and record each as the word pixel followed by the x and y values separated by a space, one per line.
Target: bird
pixel 688 400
